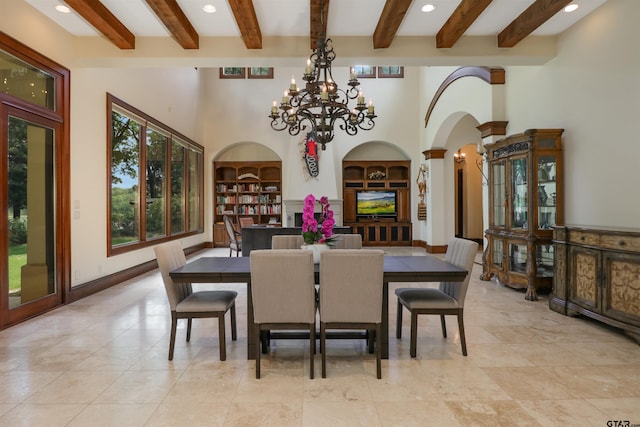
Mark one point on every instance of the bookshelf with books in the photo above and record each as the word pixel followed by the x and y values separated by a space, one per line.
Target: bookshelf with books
pixel 246 190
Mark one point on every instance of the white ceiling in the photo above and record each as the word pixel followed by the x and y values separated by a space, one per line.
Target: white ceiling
pixel 291 17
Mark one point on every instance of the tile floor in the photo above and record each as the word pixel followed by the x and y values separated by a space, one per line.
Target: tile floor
pixel 102 361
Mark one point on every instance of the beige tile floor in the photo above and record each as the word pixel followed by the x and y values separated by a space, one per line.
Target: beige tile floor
pixel 102 361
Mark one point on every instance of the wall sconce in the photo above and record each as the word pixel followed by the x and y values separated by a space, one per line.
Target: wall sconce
pixel 460 157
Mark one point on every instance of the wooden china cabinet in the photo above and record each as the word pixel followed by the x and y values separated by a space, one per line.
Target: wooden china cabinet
pixel 525 201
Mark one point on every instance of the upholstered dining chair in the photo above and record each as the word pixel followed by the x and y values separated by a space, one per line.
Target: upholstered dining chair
pixel 348 241
pixel 286 241
pixel 351 283
pixel 186 304
pixel 235 239
pixel 448 299
pixel 282 289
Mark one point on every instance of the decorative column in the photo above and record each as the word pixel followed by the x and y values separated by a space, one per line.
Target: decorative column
pixel 436 212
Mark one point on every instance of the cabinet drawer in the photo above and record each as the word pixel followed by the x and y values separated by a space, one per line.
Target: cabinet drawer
pixel 622 243
pixel 584 238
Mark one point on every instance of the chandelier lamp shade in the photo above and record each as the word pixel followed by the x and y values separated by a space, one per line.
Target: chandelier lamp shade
pixel 321 105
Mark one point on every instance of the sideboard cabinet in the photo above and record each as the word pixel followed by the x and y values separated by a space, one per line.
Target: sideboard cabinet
pixel 525 202
pixel 597 274
pixel 246 189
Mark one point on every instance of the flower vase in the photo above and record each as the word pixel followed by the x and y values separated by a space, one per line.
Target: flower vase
pixel 316 248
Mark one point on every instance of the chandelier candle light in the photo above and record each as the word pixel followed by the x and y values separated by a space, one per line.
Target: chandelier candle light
pixel 320 104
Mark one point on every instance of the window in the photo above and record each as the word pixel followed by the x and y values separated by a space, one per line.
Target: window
pixel 156 181
pixel 391 72
pixel 364 71
pixel 260 72
pixel 232 72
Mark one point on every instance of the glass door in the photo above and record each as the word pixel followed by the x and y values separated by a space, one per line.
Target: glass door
pixel 28 280
pixel 519 194
pixel 499 202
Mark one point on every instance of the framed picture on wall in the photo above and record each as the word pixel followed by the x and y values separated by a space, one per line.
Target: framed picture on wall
pixel 393 71
pixel 260 72
pixel 232 72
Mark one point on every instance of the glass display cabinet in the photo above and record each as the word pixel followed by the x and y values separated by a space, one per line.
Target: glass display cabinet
pixel 525 202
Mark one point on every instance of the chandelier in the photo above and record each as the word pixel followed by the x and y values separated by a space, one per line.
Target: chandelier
pixel 321 104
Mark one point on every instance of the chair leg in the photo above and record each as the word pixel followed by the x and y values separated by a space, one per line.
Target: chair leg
pixel 257 354
pixel 378 351
pixel 234 328
pixel 189 320
pixel 463 341
pixel 414 334
pixel 444 325
pixel 323 338
pixel 399 320
pixel 371 337
pixel 230 250
pixel 172 338
pixel 312 349
pixel 222 337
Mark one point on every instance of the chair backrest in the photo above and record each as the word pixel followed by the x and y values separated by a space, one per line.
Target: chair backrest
pixel 246 221
pixel 286 241
pixel 171 256
pixel 348 241
pixel 231 230
pixel 460 252
pixel 282 286
pixel 351 285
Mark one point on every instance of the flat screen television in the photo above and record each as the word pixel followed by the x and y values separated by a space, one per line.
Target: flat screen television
pixel 374 203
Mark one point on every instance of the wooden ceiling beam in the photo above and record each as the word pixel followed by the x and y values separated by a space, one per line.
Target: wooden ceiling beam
pixel 247 21
pixel 96 14
pixel 389 22
pixel 534 16
pixel 176 22
pixel 317 25
pixel 460 20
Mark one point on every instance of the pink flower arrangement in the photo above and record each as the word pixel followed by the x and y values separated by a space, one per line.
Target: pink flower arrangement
pixel 321 230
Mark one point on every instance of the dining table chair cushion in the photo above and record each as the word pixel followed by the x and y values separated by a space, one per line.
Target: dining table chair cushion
pixel 203 301
pixel 416 298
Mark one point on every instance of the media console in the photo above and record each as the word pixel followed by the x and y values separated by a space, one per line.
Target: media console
pixel 385 221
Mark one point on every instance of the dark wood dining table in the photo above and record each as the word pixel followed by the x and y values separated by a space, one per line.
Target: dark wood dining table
pixel 396 269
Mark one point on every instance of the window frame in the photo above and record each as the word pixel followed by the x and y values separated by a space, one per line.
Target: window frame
pixel 147 122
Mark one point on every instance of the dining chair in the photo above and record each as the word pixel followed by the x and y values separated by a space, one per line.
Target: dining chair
pixel 448 299
pixel 235 239
pixel 186 304
pixel 348 241
pixel 286 241
pixel 282 289
pixel 246 221
pixel 351 283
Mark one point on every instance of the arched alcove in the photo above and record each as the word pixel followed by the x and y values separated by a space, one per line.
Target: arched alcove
pixel 246 151
pixel 376 150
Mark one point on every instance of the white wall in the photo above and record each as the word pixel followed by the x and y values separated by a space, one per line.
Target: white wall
pixel 592 90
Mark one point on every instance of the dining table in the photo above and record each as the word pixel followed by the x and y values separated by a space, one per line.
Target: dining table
pixel 420 268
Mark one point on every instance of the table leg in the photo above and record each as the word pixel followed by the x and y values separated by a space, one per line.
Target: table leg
pixel 384 330
pixel 252 339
